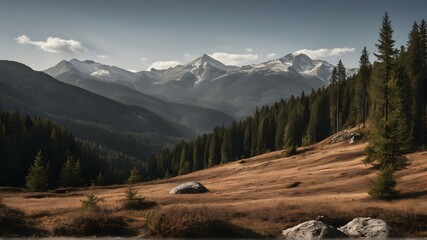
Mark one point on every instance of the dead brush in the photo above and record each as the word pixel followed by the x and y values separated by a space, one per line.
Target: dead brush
pixel 199 222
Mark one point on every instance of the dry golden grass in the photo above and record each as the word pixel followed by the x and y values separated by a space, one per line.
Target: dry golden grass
pixel 261 193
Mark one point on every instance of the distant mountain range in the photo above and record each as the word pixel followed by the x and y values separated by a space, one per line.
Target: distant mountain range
pixel 204 82
pixel 115 83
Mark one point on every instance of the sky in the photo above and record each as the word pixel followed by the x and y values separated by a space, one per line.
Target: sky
pixel 139 34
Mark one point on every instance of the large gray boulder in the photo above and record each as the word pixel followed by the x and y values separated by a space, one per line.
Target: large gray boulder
pixel 365 227
pixel 189 187
pixel 313 229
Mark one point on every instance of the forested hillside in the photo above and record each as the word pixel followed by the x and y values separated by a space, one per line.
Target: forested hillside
pixel 22 137
pixel 307 119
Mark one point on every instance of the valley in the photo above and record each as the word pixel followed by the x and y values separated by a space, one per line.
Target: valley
pixel 259 193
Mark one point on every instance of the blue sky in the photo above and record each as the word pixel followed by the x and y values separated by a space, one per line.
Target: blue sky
pixel 138 34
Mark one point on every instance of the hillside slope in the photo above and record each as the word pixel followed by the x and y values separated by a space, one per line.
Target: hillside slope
pixel 270 192
pixel 87 115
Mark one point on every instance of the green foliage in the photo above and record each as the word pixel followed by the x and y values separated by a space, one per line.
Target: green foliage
pixel 131 193
pixel 363 80
pixel 391 133
pixel 383 187
pixel 135 202
pixel 70 175
pixel 37 175
pixel 134 176
pixel 91 201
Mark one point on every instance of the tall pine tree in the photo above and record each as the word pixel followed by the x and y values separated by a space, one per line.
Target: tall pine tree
pixel 389 132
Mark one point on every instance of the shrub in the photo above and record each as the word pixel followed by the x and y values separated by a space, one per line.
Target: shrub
pixel 181 222
pixel 94 225
pixel 135 202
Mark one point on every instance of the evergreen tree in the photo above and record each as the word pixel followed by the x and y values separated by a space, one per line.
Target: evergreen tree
pixel 70 172
pixel 390 136
pixel 226 148
pixel 340 76
pixel 37 175
pixel 385 59
pixel 362 86
pixel 134 176
pixel 91 201
pixel 333 99
pixel 318 126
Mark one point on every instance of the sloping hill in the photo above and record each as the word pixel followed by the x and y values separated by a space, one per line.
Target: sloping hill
pixel 88 115
pixel 270 192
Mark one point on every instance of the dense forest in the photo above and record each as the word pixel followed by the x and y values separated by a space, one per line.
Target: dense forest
pixel 396 82
pixel 23 139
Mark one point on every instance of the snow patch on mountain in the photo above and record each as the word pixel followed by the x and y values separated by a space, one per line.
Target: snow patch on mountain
pixel 100 73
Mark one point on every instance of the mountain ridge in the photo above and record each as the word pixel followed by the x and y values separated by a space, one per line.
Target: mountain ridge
pixel 208 83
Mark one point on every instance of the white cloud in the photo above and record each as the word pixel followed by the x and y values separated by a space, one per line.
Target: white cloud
pixel 143 59
pixel 54 44
pixel 233 58
pixel 271 55
pixel 163 64
pixel 102 56
pixel 188 55
pixel 325 52
pixel 249 50
pixel 100 73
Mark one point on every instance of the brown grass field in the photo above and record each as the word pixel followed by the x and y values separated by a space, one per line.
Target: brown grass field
pixel 262 195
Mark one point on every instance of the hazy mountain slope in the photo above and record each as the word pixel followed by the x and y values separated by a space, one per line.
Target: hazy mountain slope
pixel 194 120
pixel 86 114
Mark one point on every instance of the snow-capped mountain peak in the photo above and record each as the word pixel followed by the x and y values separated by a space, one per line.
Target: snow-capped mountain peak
pixel 205 60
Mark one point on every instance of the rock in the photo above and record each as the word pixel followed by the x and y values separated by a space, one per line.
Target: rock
pixel 189 187
pixel 313 229
pixel 354 137
pixel 366 228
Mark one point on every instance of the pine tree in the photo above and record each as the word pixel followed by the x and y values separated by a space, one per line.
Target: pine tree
pixel 333 100
pixel 91 201
pixel 390 136
pixel 134 176
pixel 340 78
pixel 318 126
pixel 226 148
pixel 362 86
pixel 37 175
pixel 70 175
pixel 386 56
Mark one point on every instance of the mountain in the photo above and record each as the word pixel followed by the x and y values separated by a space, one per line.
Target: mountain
pixel 130 129
pixel 209 83
pixel 195 120
pixel 239 90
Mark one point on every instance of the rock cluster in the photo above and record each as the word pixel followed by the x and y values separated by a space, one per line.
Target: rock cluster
pixel 357 228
